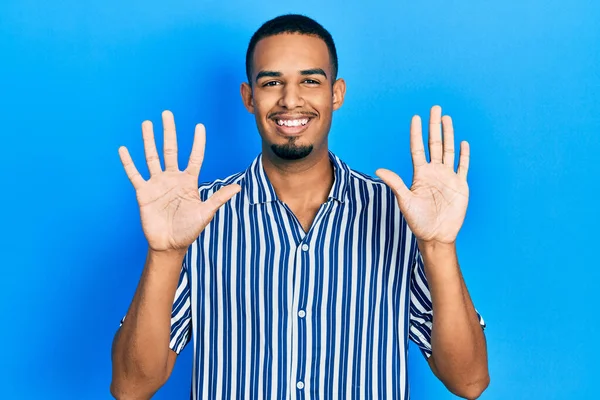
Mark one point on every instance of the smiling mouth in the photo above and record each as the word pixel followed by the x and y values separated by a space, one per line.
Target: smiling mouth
pixel 291 126
pixel 292 122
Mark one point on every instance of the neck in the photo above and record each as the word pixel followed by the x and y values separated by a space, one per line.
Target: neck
pixel 302 182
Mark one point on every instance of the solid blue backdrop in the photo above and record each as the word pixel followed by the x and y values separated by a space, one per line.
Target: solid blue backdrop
pixel 520 79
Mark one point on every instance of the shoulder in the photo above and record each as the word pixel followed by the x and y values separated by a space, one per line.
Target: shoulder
pixel 205 189
pixel 365 179
pixel 372 186
pixel 371 194
pixel 360 188
pixel 378 200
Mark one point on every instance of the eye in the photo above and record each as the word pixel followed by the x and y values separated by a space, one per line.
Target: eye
pixel 311 81
pixel 271 83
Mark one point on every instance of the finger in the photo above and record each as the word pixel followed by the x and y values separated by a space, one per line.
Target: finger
pixel 448 141
pixel 197 155
pixel 152 159
pixel 220 197
pixel 417 149
pixel 435 135
pixel 463 161
pixel 170 141
pixel 395 183
pixel 130 169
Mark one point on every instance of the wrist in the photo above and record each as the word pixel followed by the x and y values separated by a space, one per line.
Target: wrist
pixel 439 259
pixel 433 247
pixel 166 257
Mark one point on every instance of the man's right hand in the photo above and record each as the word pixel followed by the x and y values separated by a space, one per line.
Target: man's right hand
pixel 171 211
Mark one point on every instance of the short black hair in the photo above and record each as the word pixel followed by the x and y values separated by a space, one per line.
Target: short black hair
pixel 292 23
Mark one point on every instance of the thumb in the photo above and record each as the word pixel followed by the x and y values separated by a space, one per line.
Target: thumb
pixel 220 197
pixel 395 183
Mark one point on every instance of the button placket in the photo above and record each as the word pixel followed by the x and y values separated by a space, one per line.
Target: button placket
pixel 303 268
pixel 298 326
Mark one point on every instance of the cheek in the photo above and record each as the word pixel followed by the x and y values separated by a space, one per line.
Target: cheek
pixel 321 101
pixel 264 102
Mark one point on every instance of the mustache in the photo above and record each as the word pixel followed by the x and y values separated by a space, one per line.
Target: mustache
pixel 302 113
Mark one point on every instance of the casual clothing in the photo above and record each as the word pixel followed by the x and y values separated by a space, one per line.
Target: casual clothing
pixel 277 313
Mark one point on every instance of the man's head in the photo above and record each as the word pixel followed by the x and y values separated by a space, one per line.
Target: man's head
pixel 292 87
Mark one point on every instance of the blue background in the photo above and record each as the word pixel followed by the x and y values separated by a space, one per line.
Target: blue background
pixel 520 79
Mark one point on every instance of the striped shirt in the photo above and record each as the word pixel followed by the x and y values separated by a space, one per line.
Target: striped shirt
pixel 277 313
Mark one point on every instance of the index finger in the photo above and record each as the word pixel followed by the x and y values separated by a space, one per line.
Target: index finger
pixel 197 154
pixel 417 149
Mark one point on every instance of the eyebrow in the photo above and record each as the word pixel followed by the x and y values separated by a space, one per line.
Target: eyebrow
pixel 276 74
pixel 314 71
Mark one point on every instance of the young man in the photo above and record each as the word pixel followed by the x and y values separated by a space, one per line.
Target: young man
pixel 299 277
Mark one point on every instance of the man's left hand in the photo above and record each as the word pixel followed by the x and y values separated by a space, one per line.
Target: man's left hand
pixel 436 203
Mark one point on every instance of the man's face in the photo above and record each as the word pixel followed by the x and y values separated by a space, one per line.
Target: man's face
pixel 292 96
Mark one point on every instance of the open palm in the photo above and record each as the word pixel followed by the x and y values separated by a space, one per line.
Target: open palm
pixel 171 211
pixel 436 203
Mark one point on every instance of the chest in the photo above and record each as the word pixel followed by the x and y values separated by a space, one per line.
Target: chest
pixel 287 307
pixel 305 216
pixel 269 256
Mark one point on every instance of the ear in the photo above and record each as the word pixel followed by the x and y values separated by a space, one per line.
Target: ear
pixel 339 92
pixel 246 92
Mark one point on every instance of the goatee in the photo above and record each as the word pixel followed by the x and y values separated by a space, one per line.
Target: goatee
pixel 290 151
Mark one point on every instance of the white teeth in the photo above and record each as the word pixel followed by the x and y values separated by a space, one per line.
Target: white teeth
pixel 292 122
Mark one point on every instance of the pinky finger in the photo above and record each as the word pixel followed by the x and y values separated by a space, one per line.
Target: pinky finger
pixel 463 163
pixel 132 173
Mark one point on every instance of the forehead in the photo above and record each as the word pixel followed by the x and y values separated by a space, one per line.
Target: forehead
pixel 290 53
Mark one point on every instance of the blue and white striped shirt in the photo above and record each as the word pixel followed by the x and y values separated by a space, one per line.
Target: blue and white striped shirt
pixel 277 313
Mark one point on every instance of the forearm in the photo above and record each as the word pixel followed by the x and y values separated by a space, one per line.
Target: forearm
pixel 140 351
pixel 457 340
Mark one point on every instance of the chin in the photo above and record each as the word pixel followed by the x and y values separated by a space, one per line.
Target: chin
pixel 291 151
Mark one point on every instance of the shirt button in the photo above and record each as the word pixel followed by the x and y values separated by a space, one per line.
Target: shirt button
pixel 301 313
pixel 305 247
pixel 300 385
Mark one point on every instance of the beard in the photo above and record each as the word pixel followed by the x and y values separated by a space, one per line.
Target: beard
pixel 291 151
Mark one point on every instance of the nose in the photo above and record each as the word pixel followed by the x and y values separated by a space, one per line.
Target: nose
pixel 291 97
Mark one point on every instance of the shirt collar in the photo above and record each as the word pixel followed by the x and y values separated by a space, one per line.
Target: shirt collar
pixel 259 190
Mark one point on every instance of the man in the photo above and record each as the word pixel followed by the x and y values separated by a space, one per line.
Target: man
pixel 299 277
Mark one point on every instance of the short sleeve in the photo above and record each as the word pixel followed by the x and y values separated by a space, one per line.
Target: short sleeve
pixel 421 308
pixel 181 312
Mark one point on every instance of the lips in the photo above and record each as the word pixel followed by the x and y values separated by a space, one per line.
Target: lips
pixel 291 125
